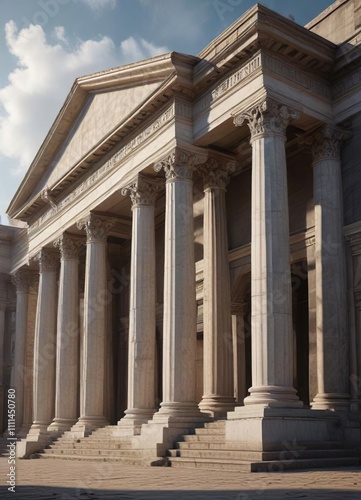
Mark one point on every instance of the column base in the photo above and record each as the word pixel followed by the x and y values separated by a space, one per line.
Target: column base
pixel 273 397
pixel 131 424
pixel 331 401
pixel 257 428
pixel 60 425
pixel 86 425
pixel 36 440
pixel 23 431
pixel 179 413
pixel 217 406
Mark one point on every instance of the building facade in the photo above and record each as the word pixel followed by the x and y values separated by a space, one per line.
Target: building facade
pixel 192 249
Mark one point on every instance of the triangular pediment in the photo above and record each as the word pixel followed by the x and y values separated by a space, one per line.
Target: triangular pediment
pixel 100 115
pixel 100 111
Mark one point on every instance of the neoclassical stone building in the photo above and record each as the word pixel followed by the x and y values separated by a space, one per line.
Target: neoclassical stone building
pixel 192 255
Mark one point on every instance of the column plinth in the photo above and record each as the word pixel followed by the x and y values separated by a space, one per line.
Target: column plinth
pixel 67 353
pixel 218 397
pixel 272 335
pixel 141 359
pixel 95 322
pixel 330 261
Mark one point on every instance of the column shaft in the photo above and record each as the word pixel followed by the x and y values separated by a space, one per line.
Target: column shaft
pixel 67 352
pixel 45 345
pixel 96 297
pixel 331 288
pixel 23 278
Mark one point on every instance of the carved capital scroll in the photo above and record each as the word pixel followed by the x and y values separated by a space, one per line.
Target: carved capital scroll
pixel 142 191
pixel 179 164
pixel 96 228
pixel 69 247
pixel 326 142
pixel 267 117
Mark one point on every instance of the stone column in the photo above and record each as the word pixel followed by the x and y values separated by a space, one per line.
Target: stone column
pixel 67 346
pixel 45 346
pixel 331 289
pixel 96 297
pixel 23 279
pixel 218 395
pixel 179 327
pixel 272 335
pixel 141 359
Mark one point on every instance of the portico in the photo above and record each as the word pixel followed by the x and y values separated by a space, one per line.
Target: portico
pixel 191 233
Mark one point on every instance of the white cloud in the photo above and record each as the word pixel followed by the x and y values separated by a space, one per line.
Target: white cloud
pixel 43 78
pixel 100 4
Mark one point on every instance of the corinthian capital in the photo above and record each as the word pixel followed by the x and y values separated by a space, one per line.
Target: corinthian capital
pixel 96 228
pixel 23 279
pixel 326 142
pixel 48 260
pixel 267 117
pixel 69 247
pixel 216 172
pixel 142 191
pixel 179 164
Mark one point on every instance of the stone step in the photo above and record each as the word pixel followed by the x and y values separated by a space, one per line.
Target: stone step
pixel 95 458
pixel 209 431
pixel 227 445
pixel 269 466
pixel 219 424
pixel 218 438
pixel 265 456
pixel 85 445
pixel 93 452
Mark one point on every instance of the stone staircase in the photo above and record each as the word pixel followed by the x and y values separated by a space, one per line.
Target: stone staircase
pixel 207 448
pixel 101 445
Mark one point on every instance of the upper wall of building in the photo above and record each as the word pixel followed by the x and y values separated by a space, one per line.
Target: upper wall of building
pixel 339 22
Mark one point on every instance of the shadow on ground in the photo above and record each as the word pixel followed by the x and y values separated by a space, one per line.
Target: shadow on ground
pixel 49 493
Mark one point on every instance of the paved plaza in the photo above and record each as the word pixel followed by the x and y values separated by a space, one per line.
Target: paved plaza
pixel 65 480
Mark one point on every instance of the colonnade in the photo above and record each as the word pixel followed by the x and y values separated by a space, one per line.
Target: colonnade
pixel 56 351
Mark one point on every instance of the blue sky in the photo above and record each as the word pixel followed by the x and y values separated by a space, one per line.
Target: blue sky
pixel 46 44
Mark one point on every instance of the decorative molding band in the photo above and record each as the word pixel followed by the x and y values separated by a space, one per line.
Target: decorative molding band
pixel 142 191
pixel 325 142
pixel 112 163
pixel 96 228
pixel 70 247
pixel 344 85
pixel 267 117
pixel 229 83
pixel 180 164
pixel 295 75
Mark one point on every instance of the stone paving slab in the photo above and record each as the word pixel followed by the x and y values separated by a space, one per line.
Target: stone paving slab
pixel 71 479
